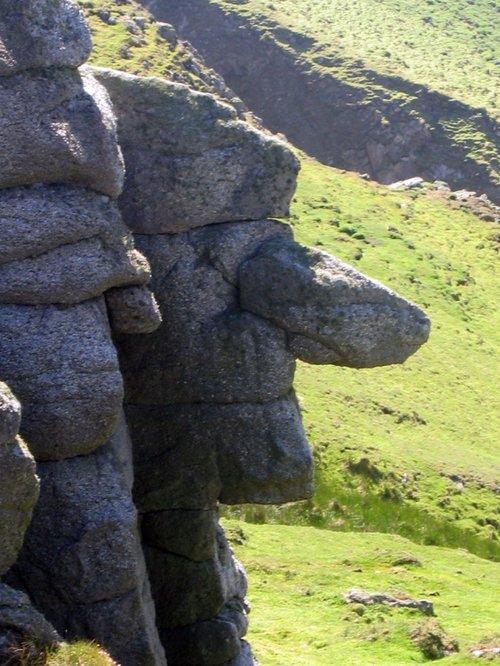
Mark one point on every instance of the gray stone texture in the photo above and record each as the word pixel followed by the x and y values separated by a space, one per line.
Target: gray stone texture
pixel 186 592
pixel 132 310
pixel 57 126
pixel 197 162
pixel 184 532
pixel 189 456
pixel 18 481
pixel 62 365
pixel 206 643
pixel 333 313
pixel 207 349
pixel 212 641
pixel 40 218
pixel 82 561
pixel 19 621
pixel 63 245
pixel 244 658
pixel 42 33
pixel 73 273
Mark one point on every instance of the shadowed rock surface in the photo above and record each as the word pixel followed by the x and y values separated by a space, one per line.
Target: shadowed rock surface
pixel 62 364
pixel 83 563
pixel 18 482
pixel 63 246
pixel 19 488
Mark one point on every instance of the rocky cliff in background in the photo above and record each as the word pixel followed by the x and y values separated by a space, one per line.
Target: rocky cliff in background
pixel 124 546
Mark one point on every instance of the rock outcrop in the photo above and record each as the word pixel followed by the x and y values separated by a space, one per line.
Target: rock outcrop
pixel 65 247
pixel 209 412
pixel 209 395
pixel 19 488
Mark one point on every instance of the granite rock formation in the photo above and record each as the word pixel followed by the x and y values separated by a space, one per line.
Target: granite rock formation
pixel 64 245
pixel 19 488
pixel 139 429
pixel 209 395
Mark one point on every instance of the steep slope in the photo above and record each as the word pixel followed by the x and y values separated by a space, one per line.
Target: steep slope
pixel 334 106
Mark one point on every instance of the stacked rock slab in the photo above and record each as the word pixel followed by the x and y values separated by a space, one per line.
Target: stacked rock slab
pixel 209 395
pixel 64 249
pixel 18 494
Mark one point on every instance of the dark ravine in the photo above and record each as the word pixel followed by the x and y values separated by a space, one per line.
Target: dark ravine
pixel 381 125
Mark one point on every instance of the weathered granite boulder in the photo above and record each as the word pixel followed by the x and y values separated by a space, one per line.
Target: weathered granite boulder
pixel 18 481
pixel 83 563
pixel 208 349
pixel 42 33
pixel 201 613
pixel 132 309
pixel 40 218
pixel 190 533
pixel 333 313
pixel 73 273
pixel 210 641
pixel 22 626
pixel 57 126
pixel 19 488
pixel 62 364
pixel 197 162
pixel 189 456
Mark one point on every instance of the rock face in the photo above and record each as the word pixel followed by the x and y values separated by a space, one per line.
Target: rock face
pixel 209 413
pixel 42 33
pixel 333 313
pixel 209 168
pixel 19 487
pixel 64 246
pixel 18 482
pixel 50 141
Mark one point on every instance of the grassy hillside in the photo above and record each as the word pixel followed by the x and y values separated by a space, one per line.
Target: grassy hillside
pixel 451 47
pixel 299 574
pixel 352 112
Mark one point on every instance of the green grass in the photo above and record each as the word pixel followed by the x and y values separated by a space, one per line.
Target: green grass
pixel 79 653
pixel 298 575
pixel 452 47
pixel 439 412
pixel 132 49
pixel 412 58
